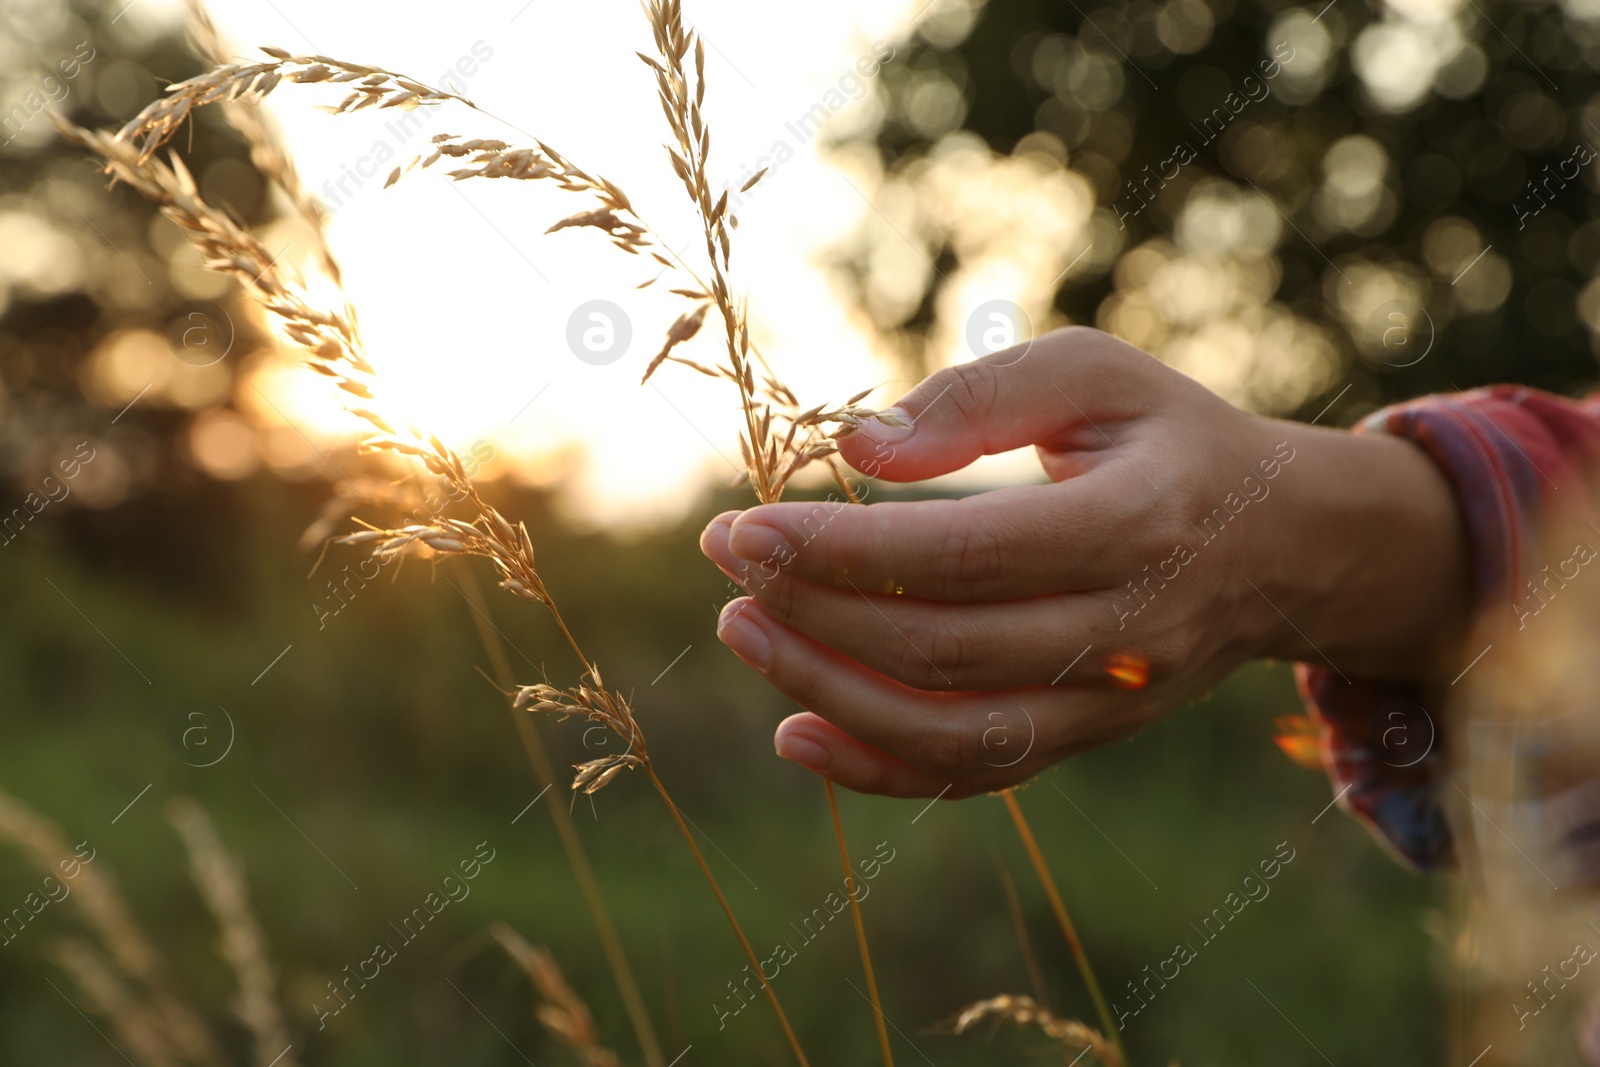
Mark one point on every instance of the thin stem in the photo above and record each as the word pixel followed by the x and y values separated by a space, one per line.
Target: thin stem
pixel 588 885
pixel 747 400
pixel 550 603
pixel 838 831
pixel 738 930
pixel 843 482
pixel 665 246
pixel 1069 931
pixel 861 931
pixel 1019 924
pixel 1030 959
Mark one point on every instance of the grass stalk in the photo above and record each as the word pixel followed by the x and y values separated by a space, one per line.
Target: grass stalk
pixel 1068 931
pixel 768 462
pixel 1019 925
pixel 727 910
pixel 861 931
pixel 628 729
pixel 844 856
pixel 1030 959
pixel 334 345
pixel 571 843
pixel 273 161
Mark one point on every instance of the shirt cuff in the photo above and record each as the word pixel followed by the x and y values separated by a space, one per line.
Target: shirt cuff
pixel 1503 449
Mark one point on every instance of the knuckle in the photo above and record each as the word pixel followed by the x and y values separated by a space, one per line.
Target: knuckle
pixel 1166 658
pixel 1178 650
pixel 781 597
pixel 1189 633
pixel 1067 344
pixel 875 777
pixel 1085 345
pixel 934 656
pixel 946 745
pixel 1174 639
pixel 972 390
pixel 808 533
pixel 798 678
pixel 1079 339
pixel 948 653
pixel 1075 335
pixel 972 554
pixel 912 666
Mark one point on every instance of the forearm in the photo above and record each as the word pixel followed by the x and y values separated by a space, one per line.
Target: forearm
pixel 1367 557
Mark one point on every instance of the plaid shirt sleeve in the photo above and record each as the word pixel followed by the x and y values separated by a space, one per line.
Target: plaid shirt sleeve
pixel 1503 449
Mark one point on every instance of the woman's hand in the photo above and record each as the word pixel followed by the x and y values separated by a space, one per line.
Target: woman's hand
pixel 965 645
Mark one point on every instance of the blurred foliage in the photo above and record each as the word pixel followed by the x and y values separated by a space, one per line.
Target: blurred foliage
pixel 1399 142
pixel 377 737
pixel 92 280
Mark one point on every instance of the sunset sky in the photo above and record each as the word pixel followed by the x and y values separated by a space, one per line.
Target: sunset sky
pixel 465 302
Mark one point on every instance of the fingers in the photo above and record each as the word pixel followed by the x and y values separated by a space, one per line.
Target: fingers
pixel 714 544
pixel 936 645
pixel 976 738
pixel 1039 393
pixel 817 744
pixel 1003 545
pixel 813 742
pixel 949 647
pixel 928 727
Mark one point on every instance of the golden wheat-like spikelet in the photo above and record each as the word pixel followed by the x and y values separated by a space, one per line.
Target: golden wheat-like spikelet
pixel 351 495
pixel 682 94
pixel 266 146
pixel 271 158
pixel 137 1026
pixel 225 246
pixel 332 339
pixel 333 344
pixel 559 1008
pixel 234 83
pixel 369 87
pixel 600 706
pixel 105 911
pixel 809 434
pixel 491 158
pixel 510 550
pixel 772 455
pixel 1024 1011
pixel 779 440
pixel 243 946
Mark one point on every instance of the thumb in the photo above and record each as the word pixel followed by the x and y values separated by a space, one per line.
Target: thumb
pixel 1038 393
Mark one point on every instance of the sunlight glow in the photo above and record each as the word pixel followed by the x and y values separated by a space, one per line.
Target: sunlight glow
pixel 463 299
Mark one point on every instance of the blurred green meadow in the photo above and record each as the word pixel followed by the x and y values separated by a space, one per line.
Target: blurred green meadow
pixel 372 758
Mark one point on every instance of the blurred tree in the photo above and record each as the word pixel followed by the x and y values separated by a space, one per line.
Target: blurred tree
pixel 111 332
pixel 1365 178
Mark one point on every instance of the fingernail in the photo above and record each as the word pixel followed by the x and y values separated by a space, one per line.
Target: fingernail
pixel 759 544
pixel 889 427
pixel 714 543
pixel 804 751
pixel 725 519
pixel 747 639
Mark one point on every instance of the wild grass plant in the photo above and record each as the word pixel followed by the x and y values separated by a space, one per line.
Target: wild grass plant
pixel 778 439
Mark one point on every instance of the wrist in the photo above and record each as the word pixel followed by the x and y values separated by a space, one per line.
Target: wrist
pixel 1368 558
